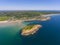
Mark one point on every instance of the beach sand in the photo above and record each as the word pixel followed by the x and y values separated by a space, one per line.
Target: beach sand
pixel 5 23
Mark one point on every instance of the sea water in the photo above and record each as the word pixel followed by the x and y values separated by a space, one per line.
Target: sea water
pixel 9 34
pixel 49 34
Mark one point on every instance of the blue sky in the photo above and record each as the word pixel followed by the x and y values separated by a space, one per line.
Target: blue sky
pixel 29 4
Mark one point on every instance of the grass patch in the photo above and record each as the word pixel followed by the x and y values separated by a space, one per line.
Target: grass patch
pixel 28 27
pixel 3 18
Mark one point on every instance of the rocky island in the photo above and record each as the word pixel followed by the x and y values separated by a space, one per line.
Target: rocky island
pixel 30 30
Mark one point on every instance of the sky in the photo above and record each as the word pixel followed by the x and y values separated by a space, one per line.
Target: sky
pixel 29 4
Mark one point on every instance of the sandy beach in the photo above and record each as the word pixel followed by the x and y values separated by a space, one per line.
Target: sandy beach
pixel 5 23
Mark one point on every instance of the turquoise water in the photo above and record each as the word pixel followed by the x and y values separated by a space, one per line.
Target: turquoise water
pixel 49 34
pixel 9 34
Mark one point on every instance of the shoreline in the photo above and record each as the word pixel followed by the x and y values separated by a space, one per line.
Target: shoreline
pixel 43 18
pixel 3 21
pixel 12 21
pixel 8 23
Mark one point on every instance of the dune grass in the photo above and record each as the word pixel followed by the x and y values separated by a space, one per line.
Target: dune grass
pixel 3 18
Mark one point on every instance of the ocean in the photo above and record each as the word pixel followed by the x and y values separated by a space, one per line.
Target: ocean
pixel 49 34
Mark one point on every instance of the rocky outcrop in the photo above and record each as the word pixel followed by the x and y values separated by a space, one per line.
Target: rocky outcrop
pixel 31 31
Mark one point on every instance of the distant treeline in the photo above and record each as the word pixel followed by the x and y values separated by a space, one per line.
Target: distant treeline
pixel 28 14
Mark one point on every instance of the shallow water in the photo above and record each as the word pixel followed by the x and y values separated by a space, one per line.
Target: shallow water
pixel 49 34
pixel 9 34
